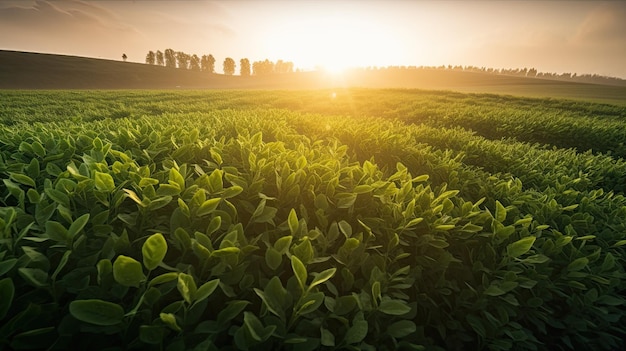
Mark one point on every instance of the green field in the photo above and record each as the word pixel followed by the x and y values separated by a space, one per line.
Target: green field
pixel 343 219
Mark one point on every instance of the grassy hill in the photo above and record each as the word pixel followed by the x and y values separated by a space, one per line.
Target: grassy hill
pixel 19 70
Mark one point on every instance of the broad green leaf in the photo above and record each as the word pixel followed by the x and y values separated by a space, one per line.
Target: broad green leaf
pixel 274 296
pixel 357 332
pixel 500 212
pixel 64 259
pixel 23 179
pixel 97 312
pixel 56 231
pixel 104 182
pixel 401 328
pixel 163 278
pixel 208 206
pixel 521 246
pixel 232 191
pixel 205 290
pixel 578 264
pixel 34 276
pixel 394 307
pixel 494 290
pixel 477 325
pixel 282 244
pixel 187 287
pixel 176 177
pixel 327 338
pixel 299 270
pixel 153 251
pixel 273 258
pixel 232 310
pixel 170 320
pixel 7 291
pixel 292 221
pixel 78 225
pixel 322 277
pixel 256 329
pixel 151 334
pixel 127 271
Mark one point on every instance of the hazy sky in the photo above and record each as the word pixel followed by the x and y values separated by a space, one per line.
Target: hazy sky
pixel 552 36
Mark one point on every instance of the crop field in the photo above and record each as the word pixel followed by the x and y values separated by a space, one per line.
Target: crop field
pixel 348 219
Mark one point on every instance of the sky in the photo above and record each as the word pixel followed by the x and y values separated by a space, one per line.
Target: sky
pixel 551 36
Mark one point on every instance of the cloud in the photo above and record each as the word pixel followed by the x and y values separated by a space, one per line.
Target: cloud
pixel 603 25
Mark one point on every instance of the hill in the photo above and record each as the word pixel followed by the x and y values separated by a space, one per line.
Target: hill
pixel 20 70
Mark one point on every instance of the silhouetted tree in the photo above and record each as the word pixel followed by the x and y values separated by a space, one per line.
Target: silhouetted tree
pixel 283 67
pixel 262 67
pixel 124 57
pixel 159 58
pixel 182 59
pixel 170 58
pixel 151 58
pixel 244 67
pixel 207 63
pixel 194 63
pixel 229 66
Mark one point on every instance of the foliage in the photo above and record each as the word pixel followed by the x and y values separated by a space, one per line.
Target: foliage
pixel 210 220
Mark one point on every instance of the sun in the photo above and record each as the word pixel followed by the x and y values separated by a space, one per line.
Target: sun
pixel 333 42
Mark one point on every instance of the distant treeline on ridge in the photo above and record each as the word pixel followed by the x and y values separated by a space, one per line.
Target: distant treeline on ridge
pixel 206 63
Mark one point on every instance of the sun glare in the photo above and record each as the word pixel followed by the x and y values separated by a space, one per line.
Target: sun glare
pixel 334 42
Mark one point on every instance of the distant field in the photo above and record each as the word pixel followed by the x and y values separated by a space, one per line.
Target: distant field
pixel 347 219
pixel 43 71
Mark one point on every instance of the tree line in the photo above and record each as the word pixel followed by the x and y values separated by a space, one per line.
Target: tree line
pixel 523 72
pixel 206 63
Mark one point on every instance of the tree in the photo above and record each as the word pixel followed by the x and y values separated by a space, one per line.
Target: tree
pixel 183 60
pixel 124 57
pixel 170 58
pixel 207 63
pixel 262 67
pixel 194 63
pixel 159 58
pixel 283 67
pixel 229 66
pixel 244 67
pixel 151 58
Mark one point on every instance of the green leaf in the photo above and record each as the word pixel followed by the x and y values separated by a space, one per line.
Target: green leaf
pixel 57 232
pixel 477 325
pixel 322 277
pixel 232 191
pixel 273 258
pixel 299 270
pixel 327 338
pixel 494 290
pixel 151 334
pixel 521 246
pixel 104 182
pixel 401 328
pixel 64 259
pixel 274 296
pixel 187 287
pixel 163 278
pixel 500 212
pixel 23 179
pixel 292 221
pixel 127 271
pixel 578 264
pixel 394 307
pixel 78 225
pixel 133 196
pixel 7 291
pixel 97 312
pixel 205 290
pixel 170 320
pixel 177 178
pixel 34 276
pixel 208 206
pixel 282 244
pixel 357 332
pixel 256 329
pixel 153 251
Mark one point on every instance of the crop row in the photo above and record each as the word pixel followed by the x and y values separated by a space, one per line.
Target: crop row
pixel 270 229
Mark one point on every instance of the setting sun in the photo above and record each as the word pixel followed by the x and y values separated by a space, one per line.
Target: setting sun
pixel 335 42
